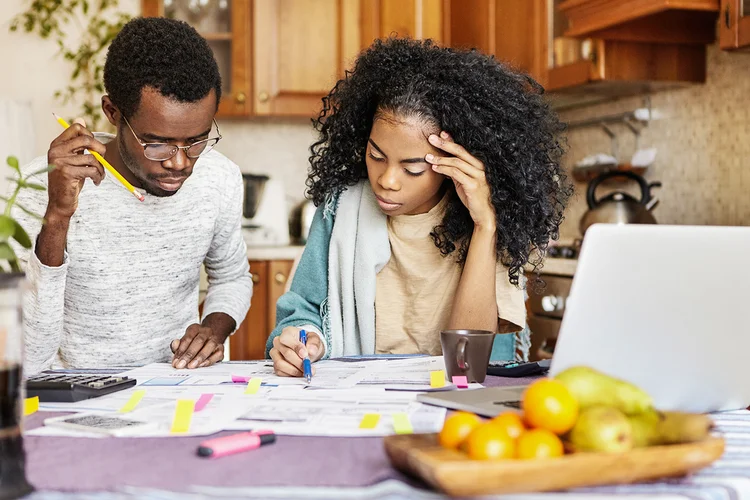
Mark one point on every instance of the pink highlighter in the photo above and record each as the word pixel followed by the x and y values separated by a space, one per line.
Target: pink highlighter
pixel 236 443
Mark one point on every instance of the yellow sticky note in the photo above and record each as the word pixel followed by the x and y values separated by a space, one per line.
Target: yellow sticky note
pixel 369 421
pixel 133 401
pixel 253 385
pixel 183 414
pixel 437 379
pixel 402 424
pixel 30 405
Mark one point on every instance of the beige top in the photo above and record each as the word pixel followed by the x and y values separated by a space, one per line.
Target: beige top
pixel 415 290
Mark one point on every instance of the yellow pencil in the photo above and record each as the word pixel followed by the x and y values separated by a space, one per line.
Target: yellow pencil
pixel 106 164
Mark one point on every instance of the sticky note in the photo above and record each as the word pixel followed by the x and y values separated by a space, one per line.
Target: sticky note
pixel 253 385
pixel 461 382
pixel 402 424
pixel 135 398
pixel 183 414
pixel 369 421
pixel 437 379
pixel 239 379
pixel 203 401
pixel 31 405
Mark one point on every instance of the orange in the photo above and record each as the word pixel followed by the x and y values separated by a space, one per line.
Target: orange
pixel 456 428
pixel 510 422
pixel 547 404
pixel 490 442
pixel 539 443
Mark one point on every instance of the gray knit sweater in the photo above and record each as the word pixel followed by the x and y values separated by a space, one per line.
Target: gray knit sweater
pixel 129 283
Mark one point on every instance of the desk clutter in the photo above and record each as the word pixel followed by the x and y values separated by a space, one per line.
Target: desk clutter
pixel 345 398
pixel 379 398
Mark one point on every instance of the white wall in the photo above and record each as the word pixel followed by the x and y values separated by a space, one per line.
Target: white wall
pixel 33 73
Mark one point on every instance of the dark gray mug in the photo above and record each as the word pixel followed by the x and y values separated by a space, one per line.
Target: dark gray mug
pixel 467 352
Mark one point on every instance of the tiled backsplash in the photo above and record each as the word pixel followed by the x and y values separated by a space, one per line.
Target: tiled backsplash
pixel 703 144
pixel 272 146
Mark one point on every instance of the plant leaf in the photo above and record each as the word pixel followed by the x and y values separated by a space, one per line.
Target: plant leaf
pixel 7 253
pixel 21 236
pixel 34 185
pixel 27 211
pixel 13 162
pixel 44 170
pixel 7 228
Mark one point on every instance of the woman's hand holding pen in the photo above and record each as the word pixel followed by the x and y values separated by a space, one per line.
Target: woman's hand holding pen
pixel 288 352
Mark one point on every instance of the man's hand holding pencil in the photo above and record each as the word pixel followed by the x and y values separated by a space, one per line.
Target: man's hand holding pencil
pixel 71 168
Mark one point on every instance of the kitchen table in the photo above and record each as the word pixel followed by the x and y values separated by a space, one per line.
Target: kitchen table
pixel 307 467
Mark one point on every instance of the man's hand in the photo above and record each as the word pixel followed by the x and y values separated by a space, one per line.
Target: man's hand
pixel 71 168
pixel 287 352
pixel 199 347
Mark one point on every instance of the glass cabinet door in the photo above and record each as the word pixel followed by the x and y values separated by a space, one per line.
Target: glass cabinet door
pixel 225 24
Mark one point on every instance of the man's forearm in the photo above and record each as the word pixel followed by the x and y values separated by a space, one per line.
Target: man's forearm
pixel 50 246
pixel 221 324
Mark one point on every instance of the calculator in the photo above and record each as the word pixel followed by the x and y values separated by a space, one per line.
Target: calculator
pixel 66 388
pixel 516 369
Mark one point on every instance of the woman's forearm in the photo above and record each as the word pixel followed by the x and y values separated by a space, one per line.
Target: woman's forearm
pixel 475 304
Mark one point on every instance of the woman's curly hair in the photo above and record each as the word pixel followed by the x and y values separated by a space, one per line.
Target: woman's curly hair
pixel 496 114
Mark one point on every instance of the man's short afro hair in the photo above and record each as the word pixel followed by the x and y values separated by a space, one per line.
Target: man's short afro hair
pixel 166 54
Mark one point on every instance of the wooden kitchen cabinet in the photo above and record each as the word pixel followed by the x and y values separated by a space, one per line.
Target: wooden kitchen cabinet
pixel 602 53
pixel 417 19
pixel 651 21
pixel 301 49
pixel 227 28
pixel 514 31
pixel 269 282
pixel 734 24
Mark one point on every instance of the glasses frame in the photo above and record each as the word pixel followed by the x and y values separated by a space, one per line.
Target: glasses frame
pixel 176 148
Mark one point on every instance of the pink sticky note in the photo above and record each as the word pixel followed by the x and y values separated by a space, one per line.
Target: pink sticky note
pixel 239 379
pixel 461 382
pixel 203 401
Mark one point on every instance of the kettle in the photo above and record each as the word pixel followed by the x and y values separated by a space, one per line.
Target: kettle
pixel 301 220
pixel 619 207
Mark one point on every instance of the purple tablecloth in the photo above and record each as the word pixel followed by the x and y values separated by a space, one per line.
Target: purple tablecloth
pixel 81 464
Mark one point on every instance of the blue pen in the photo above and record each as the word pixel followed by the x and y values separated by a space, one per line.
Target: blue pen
pixel 307 367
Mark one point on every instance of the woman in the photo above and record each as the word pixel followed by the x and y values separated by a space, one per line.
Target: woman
pixel 437 178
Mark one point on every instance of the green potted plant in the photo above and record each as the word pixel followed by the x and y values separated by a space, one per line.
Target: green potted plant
pixel 13 482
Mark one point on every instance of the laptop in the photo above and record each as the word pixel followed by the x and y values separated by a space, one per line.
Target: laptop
pixel 660 306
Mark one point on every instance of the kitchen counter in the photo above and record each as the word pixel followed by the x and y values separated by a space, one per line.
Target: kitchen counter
pixel 288 252
pixel 560 267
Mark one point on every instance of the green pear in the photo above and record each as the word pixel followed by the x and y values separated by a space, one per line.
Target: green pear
pixel 603 429
pixel 593 388
pixel 669 427
pixel 644 427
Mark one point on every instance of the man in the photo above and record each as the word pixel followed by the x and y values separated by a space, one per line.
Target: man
pixel 115 280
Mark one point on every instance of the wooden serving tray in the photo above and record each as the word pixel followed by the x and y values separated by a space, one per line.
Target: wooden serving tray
pixel 452 472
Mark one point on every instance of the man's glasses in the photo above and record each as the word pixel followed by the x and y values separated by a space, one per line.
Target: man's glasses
pixel 161 151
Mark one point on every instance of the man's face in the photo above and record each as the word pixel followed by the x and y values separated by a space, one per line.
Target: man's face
pixel 161 119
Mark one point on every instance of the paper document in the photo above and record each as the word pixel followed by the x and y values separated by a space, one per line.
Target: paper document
pixel 324 412
pixel 329 373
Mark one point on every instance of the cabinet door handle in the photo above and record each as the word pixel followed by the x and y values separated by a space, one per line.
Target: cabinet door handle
pixel 240 98
pixel 255 277
pixel 279 278
pixel 263 96
pixel 726 16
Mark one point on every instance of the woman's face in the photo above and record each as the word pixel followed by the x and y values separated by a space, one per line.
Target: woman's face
pixel 402 180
